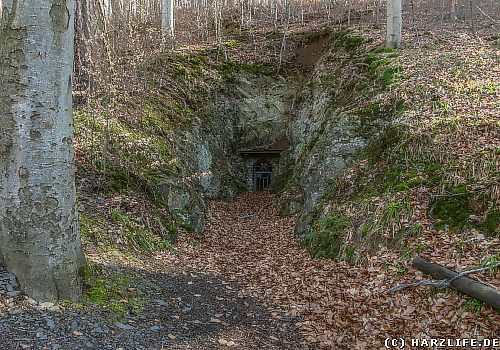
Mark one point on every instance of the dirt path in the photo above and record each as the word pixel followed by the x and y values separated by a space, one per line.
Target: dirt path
pixel 332 305
pixel 248 243
pixel 198 299
pixel 238 263
pixel 247 284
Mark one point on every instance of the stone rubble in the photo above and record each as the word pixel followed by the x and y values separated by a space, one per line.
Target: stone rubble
pixel 8 284
pixel 187 313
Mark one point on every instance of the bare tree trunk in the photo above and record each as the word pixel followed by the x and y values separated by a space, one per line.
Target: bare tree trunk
pixel 454 10
pixel 302 12
pixel 285 33
pixel 394 23
pixel 328 10
pixel 83 49
pixel 471 9
pixel 274 11
pixel 376 12
pixel 39 235
pixel 349 7
pixel 167 19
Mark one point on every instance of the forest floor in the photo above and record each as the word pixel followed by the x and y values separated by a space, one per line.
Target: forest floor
pixel 245 284
pixel 200 297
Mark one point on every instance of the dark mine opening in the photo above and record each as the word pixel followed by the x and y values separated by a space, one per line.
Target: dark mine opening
pixel 261 162
pixel 262 175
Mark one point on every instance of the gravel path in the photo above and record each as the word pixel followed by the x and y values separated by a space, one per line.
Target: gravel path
pixel 188 308
pixel 196 311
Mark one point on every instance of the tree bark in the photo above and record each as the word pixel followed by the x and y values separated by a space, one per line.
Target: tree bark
pixel 167 18
pixel 463 284
pixel 39 233
pixel 394 23
pixel 454 10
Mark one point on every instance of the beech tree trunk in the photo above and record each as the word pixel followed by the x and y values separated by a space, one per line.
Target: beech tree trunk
pixel 167 18
pixel 454 10
pixel 39 235
pixel 394 23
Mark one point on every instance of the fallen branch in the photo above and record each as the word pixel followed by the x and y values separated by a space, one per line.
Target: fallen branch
pixel 451 279
pixel 485 15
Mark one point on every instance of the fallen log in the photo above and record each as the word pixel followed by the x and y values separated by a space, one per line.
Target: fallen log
pixel 457 281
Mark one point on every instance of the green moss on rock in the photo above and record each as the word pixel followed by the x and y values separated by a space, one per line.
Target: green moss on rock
pixel 325 239
pixel 452 211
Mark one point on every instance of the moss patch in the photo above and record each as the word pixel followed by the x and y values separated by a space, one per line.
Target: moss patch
pixel 452 211
pixel 325 239
pixel 228 68
pixel 348 40
pixel 112 291
pixel 491 223
pixel 140 237
pixel 126 155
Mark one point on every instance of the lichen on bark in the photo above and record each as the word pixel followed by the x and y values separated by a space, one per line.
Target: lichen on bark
pixel 39 239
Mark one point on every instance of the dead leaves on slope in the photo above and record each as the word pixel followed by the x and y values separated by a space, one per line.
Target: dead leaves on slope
pixel 335 305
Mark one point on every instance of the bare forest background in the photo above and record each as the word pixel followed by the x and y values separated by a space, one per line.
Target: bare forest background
pixel 114 37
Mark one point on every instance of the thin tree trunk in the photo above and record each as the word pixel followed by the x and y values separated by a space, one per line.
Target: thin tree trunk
pixel 285 33
pixel 82 49
pixel 39 235
pixel 471 9
pixel 349 6
pixel 274 11
pixel 454 10
pixel 167 19
pixel 376 12
pixel 394 23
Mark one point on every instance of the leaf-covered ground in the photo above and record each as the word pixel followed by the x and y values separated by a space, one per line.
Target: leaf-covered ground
pixel 335 305
pixel 247 284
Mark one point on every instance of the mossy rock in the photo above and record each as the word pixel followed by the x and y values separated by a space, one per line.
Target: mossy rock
pixel 326 238
pixel 452 211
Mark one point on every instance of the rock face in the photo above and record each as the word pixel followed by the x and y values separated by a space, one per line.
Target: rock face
pixel 328 130
pixel 247 113
pixel 257 104
pixel 319 114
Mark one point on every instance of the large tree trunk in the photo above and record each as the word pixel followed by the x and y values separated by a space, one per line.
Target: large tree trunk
pixel 39 236
pixel 394 23
pixel 167 18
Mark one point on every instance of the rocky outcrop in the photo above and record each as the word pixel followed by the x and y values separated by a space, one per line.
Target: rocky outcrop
pixel 329 127
pixel 329 117
pixel 248 112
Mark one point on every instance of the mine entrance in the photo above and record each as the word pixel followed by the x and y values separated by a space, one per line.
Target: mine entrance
pixel 262 175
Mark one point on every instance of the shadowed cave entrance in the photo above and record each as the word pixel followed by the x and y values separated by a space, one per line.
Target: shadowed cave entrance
pixel 261 163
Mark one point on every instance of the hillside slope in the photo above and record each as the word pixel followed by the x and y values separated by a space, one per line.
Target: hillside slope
pixel 392 154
